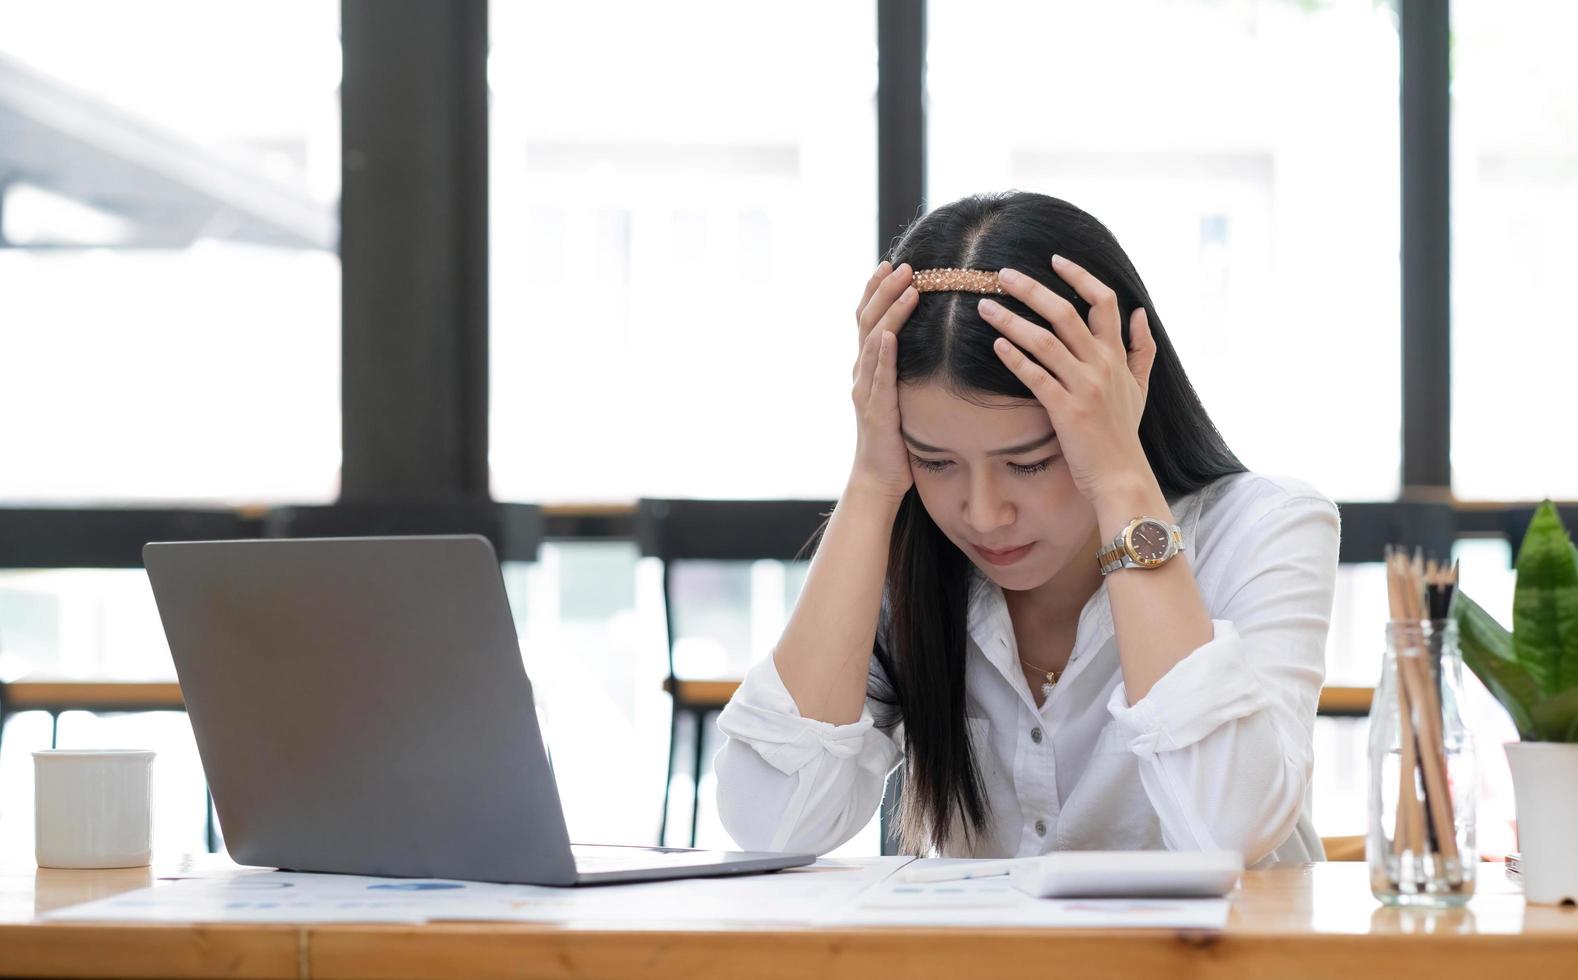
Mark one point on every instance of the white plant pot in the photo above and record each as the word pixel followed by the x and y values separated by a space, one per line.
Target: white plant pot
pixel 1545 785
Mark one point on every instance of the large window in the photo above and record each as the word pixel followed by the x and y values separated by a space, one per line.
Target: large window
pixel 169 287
pixel 1246 156
pixel 1514 208
pixel 683 199
pixel 169 319
pixel 682 222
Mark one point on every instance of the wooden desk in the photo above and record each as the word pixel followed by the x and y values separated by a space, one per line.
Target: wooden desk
pixel 1314 920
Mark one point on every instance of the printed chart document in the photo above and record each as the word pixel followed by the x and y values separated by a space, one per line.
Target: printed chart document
pixel 994 902
pixel 791 896
pixel 830 893
pixel 280 896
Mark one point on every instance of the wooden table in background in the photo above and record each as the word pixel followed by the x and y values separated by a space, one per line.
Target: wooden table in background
pixel 1352 702
pixel 1315 920
pixel 94 695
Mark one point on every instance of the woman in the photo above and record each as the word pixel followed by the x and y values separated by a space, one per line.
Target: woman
pixel 1019 407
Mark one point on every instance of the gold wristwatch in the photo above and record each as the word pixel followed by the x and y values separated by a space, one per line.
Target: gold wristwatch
pixel 1145 543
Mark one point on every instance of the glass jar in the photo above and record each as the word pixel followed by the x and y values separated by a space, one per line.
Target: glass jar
pixel 1423 777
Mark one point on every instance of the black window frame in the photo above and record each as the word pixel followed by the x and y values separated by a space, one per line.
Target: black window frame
pixel 414 259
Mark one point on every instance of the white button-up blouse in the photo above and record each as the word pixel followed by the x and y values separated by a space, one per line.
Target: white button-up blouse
pixel 1217 755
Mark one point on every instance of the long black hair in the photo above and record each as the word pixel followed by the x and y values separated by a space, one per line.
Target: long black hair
pixel 945 340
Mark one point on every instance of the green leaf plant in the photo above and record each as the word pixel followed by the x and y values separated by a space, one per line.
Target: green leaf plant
pixel 1533 670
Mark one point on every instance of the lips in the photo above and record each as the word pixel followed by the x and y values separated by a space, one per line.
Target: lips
pixel 1005 556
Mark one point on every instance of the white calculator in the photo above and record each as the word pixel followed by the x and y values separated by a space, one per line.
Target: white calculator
pixel 1128 874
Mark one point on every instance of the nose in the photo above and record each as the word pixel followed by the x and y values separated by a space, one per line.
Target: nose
pixel 987 508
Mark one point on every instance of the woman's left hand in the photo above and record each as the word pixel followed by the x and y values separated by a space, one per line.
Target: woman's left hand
pixel 1092 388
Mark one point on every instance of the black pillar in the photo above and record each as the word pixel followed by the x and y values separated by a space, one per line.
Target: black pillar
pixel 1426 242
pixel 414 250
pixel 901 116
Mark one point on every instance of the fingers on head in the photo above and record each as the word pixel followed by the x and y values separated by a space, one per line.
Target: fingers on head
pixel 1046 302
pixel 866 367
pixel 899 311
pixel 1140 327
pixel 1031 368
pixel 1136 333
pixel 891 287
pixel 885 379
pixel 883 268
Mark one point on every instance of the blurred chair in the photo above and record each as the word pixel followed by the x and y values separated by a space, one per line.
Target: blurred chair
pixel 1368 527
pixel 1344 702
pixel 718 530
pixel 679 531
pixel 514 530
pixel 55 697
pixel 1348 848
pixel 1335 702
pixel 100 697
pixel 1366 530
pixel 69 537
pixel 1515 524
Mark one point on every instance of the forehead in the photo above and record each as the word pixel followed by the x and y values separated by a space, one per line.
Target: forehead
pixel 938 416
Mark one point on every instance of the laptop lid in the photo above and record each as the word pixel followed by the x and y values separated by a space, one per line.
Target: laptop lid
pixel 360 706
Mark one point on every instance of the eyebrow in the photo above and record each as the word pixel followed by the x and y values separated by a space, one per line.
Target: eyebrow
pixel 1007 451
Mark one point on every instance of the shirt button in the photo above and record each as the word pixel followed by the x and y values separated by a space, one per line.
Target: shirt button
pixel 1035 735
pixel 1041 828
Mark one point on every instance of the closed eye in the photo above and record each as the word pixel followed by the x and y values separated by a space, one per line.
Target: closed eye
pixel 1026 469
pixel 1030 468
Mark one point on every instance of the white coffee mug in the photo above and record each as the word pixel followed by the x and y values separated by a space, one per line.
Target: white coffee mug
pixel 93 808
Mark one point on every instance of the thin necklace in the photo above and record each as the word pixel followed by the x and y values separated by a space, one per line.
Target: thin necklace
pixel 1051 681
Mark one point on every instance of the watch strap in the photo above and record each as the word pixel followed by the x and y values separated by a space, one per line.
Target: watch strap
pixel 1116 556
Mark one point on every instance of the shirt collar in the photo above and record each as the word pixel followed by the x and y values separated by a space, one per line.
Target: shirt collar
pixel 992 629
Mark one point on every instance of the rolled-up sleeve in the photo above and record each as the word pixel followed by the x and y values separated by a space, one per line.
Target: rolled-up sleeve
pixel 791 783
pixel 1225 738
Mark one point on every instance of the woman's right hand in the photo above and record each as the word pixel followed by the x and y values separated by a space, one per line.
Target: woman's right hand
pixel 881 459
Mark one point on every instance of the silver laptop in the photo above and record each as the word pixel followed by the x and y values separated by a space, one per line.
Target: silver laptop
pixel 361 707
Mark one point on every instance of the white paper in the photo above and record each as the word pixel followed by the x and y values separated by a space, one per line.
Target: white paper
pixel 832 892
pixel 956 869
pixel 794 895
pixel 276 896
pixel 994 902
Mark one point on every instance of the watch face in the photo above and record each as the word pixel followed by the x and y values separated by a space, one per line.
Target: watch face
pixel 1149 541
